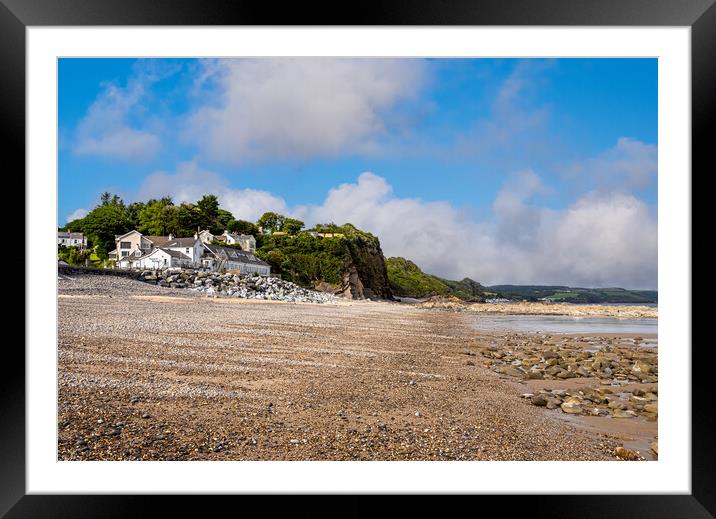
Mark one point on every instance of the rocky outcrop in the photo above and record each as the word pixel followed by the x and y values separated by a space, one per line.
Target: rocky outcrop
pixel 366 277
pixel 234 285
pixel 364 274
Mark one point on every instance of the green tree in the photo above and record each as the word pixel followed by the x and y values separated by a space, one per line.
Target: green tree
pixel 242 227
pixel 221 224
pixel 292 226
pixel 133 209
pixel 108 219
pixel 270 221
pixel 207 210
pixel 154 217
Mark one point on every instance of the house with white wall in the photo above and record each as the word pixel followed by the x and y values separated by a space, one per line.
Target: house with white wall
pixel 161 258
pixel 129 243
pixel 72 239
pixel 192 248
pixel 246 241
pixel 220 258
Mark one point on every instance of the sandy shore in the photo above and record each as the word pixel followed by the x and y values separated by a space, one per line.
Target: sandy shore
pixel 147 373
pixel 526 308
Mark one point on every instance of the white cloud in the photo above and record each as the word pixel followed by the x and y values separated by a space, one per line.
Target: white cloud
pixel 629 165
pixel 189 183
pixel 301 108
pixel 604 238
pixel 106 131
pixel 600 240
pixel 77 214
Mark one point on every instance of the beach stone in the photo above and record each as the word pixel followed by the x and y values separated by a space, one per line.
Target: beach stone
pixel 583 372
pixel 652 408
pixel 539 400
pixel 553 370
pixel 534 375
pixel 641 368
pixel 553 403
pixel 572 406
pixel 509 370
pixel 615 403
pixel 566 374
pixel 623 413
pixel 550 354
pixel 654 446
pixel 626 454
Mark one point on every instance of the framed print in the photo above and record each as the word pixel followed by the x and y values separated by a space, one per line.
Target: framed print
pixel 415 251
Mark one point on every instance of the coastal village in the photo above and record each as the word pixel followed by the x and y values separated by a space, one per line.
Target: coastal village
pixel 200 252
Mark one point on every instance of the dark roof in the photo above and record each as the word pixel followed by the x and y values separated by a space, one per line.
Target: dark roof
pixel 158 241
pixel 70 235
pixel 240 236
pixel 235 254
pixel 172 253
pixel 118 236
pixel 180 242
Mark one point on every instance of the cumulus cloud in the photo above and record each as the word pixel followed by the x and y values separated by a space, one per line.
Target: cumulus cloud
pixel 189 183
pixel 301 108
pixel 629 165
pixel 600 240
pixel 603 238
pixel 106 128
pixel 77 214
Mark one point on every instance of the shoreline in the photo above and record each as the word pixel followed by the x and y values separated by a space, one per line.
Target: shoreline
pixel 529 308
pixel 197 378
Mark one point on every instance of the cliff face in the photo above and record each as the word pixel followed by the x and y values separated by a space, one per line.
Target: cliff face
pixel 366 277
pixel 348 263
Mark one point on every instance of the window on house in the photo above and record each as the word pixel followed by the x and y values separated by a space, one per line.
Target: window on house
pixel 125 245
pixel 125 253
pixel 187 250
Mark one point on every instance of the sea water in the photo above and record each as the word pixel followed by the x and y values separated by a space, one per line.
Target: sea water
pixel 564 324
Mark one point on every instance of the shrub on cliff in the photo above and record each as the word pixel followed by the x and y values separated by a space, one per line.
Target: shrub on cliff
pixel 407 280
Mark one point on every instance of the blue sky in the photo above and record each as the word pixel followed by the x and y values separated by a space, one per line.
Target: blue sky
pixel 521 156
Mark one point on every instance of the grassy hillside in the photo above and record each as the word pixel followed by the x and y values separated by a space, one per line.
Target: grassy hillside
pixel 469 290
pixel 575 295
pixel 407 280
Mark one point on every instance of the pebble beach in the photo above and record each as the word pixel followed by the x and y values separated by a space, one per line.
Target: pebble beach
pixel 147 372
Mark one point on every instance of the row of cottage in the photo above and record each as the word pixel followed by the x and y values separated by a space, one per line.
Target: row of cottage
pixel 135 250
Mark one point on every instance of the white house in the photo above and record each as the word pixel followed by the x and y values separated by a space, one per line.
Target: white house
pixel 161 258
pixel 72 239
pixel 129 243
pixel 192 248
pixel 246 241
pixel 129 260
pixel 220 258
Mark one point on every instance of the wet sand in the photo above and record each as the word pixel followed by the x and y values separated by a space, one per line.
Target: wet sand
pixel 147 373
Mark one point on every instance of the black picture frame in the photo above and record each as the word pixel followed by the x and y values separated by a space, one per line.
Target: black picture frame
pixel 700 15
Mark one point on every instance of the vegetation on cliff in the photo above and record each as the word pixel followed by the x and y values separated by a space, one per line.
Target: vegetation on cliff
pixel 407 280
pixel 309 259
